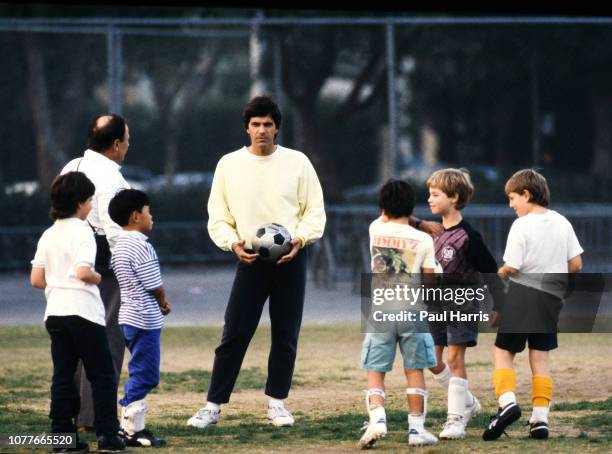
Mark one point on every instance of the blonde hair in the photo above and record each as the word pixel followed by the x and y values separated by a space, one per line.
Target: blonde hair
pixel 451 182
pixel 532 181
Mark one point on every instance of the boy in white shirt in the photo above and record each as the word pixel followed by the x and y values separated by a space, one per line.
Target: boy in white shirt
pixel 540 242
pixel 396 247
pixel 74 315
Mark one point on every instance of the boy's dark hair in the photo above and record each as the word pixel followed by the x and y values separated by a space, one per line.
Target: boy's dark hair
pixel 67 192
pixel 397 198
pixel 125 203
pixel 102 138
pixel 261 106
pixel 532 181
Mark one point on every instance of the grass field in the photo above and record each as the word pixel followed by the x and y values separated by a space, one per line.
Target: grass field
pixel 327 397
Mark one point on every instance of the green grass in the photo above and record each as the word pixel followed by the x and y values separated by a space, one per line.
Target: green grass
pixel 326 398
pixel 598 405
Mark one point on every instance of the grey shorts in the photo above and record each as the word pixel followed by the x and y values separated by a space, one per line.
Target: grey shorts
pixel 378 351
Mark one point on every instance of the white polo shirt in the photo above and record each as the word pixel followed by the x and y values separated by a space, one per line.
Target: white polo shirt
pixel 106 176
pixel 66 245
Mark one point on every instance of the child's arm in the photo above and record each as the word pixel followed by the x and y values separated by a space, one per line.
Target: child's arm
pixel 574 265
pixel 88 275
pixel 37 278
pixel 506 271
pixel 160 296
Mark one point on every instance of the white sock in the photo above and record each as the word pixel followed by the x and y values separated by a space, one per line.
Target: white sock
pixel 377 414
pixel 507 398
pixel 443 377
pixel 416 422
pixel 539 414
pixel 212 406
pixel 276 403
pixel 457 388
pixel 469 398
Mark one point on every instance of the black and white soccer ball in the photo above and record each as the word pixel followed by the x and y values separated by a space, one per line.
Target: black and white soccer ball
pixel 271 241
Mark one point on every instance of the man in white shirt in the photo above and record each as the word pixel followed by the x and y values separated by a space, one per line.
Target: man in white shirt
pixel 109 140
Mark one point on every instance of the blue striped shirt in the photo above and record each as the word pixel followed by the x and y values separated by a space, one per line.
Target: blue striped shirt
pixel 136 266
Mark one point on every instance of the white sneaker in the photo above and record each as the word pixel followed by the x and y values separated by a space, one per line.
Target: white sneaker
pixel 421 438
pixel 470 411
pixel 203 418
pixel 454 428
pixel 280 416
pixel 373 432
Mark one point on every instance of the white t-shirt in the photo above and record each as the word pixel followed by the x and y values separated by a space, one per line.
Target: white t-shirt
pixel 540 243
pixel 399 248
pixel 66 245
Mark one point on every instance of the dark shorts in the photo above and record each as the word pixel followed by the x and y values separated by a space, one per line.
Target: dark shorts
pixel 515 342
pixel 454 333
pixel 529 316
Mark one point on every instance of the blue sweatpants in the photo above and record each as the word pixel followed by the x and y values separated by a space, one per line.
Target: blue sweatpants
pixel 143 368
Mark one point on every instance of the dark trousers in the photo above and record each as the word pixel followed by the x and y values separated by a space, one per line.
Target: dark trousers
pixel 253 284
pixel 111 297
pixel 72 339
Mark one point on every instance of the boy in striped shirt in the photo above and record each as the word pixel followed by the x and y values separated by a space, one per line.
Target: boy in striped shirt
pixel 143 305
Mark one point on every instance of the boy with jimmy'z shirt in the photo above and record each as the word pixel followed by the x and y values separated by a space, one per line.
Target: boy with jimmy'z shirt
pixel 143 305
pixel 540 242
pixel 396 247
pixel 63 267
pixel 460 251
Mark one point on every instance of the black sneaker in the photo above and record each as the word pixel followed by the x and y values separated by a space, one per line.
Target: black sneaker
pixel 501 420
pixel 80 446
pixel 110 443
pixel 142 439
pixel 538 430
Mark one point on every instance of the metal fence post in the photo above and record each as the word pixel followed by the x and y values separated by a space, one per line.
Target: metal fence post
pixel 114 67
pixel 278 76
pixel 390 45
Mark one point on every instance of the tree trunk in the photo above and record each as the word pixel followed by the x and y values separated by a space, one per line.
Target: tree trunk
pixel 308 140
pixel 602 125
pixel 501 119
pixel 48 157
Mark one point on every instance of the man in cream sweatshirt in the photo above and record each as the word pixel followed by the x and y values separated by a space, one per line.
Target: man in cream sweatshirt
pixel 255 185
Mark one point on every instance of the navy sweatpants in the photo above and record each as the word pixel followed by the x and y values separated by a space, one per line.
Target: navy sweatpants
pixel 253 284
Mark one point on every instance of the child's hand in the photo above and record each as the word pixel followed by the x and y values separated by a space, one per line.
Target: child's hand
pixel 494 321
pixel 165 308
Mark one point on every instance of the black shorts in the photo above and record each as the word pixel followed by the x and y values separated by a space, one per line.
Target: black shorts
pixel 515 342
pixel 529 310
pixel 454 333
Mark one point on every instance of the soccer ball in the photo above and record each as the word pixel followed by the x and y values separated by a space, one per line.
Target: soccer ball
pixel 271 241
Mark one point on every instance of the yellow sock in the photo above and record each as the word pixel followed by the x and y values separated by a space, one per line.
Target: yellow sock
pixel 541 390
pixel 504 380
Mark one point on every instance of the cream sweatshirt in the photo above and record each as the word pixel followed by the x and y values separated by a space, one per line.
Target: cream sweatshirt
pixel 249 191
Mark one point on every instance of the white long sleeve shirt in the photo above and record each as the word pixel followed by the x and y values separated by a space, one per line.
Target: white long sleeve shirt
pixel 106 176
pixel 249 191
